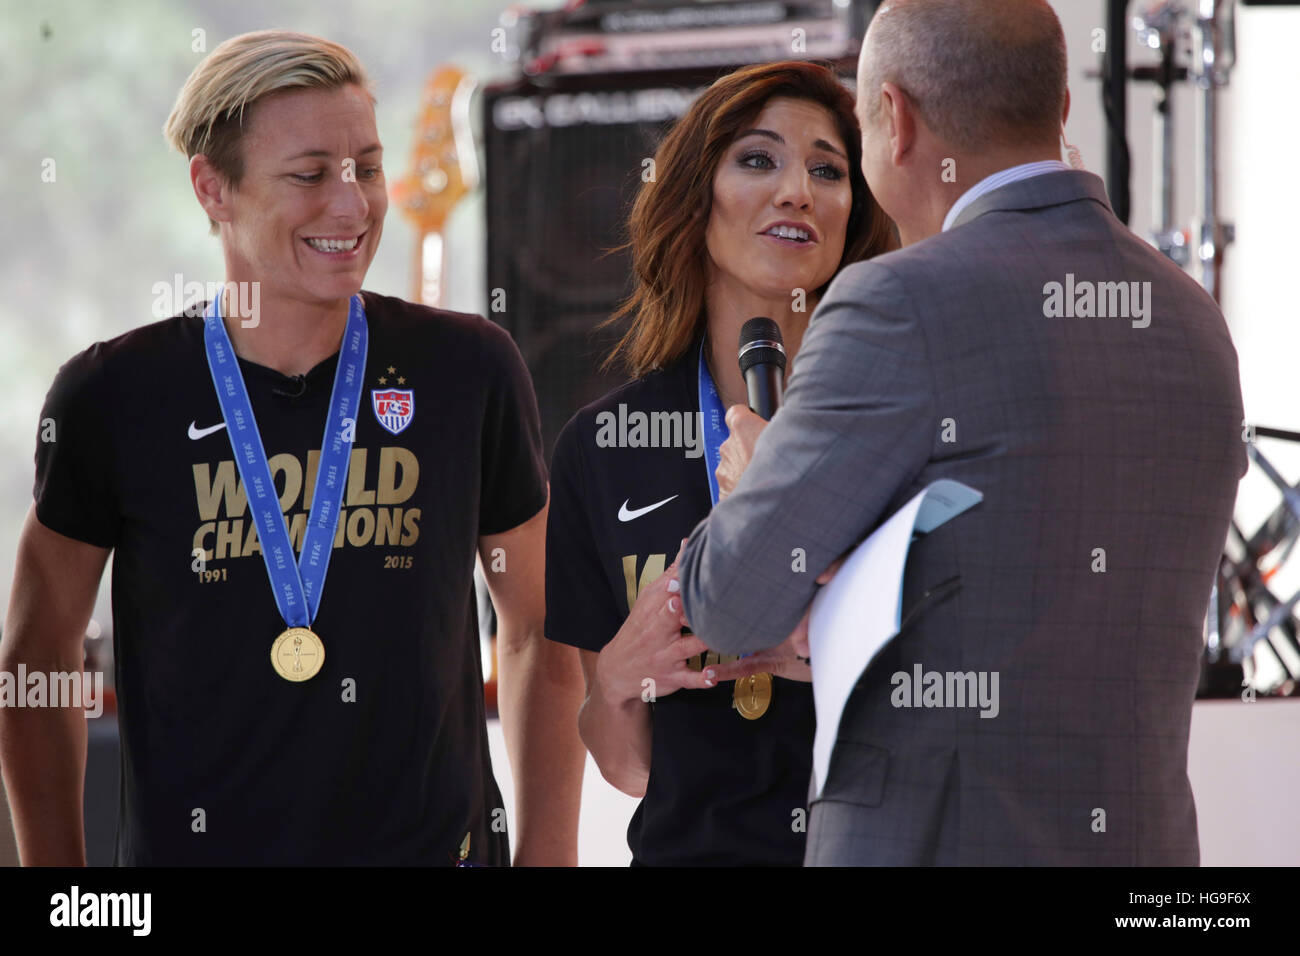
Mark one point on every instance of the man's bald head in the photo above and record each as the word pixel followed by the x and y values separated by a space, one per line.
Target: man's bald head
pixel 981 73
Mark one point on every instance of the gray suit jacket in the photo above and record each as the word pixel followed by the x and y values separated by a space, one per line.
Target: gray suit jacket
pixel 1108 450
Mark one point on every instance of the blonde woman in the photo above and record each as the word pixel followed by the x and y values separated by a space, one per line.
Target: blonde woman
pixel 271 714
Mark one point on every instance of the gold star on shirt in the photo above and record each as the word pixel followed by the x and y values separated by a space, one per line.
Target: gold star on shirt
pixel 382 380
pixel 391 370
pixel 401 380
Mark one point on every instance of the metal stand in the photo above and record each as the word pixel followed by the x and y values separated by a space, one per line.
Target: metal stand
pixel 1246 617
pixel 1162 25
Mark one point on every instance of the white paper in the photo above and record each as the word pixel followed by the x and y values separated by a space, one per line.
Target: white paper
pixel 860 611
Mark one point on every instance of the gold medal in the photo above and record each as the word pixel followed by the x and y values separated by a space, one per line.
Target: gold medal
pixel 752 695
pixel 297 654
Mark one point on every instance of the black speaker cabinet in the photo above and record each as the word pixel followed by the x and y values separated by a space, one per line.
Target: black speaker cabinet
pixel 564 158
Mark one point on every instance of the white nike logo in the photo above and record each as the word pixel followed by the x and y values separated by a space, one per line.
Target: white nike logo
pixel 625 515
pixel 197 433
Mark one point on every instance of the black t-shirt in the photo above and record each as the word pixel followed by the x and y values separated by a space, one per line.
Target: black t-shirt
pixel 723 790
pixel 382 757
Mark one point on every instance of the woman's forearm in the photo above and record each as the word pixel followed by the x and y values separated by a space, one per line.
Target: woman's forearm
pixel 617 732
pixel 44 755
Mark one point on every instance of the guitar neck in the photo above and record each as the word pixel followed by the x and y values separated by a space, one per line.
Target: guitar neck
pixel 443 170
pixel 429 261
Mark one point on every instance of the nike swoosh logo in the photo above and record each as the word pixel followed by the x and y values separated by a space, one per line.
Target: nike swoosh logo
pixel 625 515
pixel 197 433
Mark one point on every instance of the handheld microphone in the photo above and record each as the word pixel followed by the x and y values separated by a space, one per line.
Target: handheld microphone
pixel 762 363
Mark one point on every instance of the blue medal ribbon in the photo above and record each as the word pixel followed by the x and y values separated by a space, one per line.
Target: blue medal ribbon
pixel 715 424
pixel 715 427
pixel 297 584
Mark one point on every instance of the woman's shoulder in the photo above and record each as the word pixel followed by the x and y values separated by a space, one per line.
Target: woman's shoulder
pixel 419 325
pixel 670 389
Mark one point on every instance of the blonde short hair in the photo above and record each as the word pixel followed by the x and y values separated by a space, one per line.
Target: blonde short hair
pixel 208 116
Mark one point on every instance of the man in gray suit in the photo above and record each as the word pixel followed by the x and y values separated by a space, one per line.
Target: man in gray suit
pixel 1024 342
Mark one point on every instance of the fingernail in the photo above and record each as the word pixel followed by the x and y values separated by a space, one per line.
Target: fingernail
pixel 708 683
pixel 672 604
pixel 674 586
pixel 711 674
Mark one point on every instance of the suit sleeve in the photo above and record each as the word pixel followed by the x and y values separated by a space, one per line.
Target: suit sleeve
pixel 513 466
pixel 579 607
pixel 856 428
pixel 75 493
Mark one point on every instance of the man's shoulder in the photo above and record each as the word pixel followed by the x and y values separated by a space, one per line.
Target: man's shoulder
pixel 1005 251
pixel 915 262
pixel 882 281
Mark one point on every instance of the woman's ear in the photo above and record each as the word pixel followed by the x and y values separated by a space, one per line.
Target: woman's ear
pixel 211 188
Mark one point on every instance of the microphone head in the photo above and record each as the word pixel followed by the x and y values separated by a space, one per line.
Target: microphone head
pixel 760 344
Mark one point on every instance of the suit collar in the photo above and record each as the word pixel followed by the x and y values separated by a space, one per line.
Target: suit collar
pixel 1038 192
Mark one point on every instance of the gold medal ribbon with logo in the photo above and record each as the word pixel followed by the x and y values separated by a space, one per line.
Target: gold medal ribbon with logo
pixel 298 653
pixel 752 695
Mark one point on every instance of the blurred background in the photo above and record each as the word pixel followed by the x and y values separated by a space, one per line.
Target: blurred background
pixel 556 137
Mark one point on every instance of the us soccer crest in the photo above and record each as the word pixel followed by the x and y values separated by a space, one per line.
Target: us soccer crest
pixel 394 407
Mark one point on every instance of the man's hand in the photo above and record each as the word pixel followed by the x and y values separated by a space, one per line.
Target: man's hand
pixel 738 449
pixel 789 659
pixel 785 660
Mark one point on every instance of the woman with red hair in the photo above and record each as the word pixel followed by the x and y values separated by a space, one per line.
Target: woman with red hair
pixel 757 201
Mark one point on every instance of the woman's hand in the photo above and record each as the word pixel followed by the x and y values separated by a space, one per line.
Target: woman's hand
pixel 650 647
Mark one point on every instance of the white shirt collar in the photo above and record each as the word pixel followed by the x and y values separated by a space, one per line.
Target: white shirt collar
pixel 999 179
